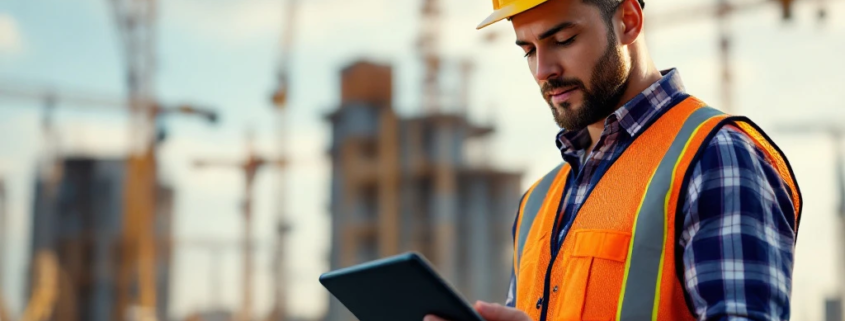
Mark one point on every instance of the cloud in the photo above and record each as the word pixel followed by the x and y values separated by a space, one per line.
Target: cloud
pixel 11 41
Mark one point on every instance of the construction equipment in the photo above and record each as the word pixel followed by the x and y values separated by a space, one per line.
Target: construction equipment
pixel 139 170
pixel 280 100
pixel 136 22
pixel 428 46
pixel 250 167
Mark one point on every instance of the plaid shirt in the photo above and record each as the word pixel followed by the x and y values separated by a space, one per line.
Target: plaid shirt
pixel 737 236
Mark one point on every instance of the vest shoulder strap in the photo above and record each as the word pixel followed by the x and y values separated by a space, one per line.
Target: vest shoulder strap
pixel 531 206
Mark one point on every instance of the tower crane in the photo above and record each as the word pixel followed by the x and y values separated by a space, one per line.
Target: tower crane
pixel 53 172
pixel 135 20
pixel 428 45
pixel 280 101
pixel 250 167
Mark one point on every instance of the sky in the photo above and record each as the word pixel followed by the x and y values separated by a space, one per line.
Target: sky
pixel 221 53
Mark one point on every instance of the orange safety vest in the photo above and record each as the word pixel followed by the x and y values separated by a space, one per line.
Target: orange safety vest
pixel 618 259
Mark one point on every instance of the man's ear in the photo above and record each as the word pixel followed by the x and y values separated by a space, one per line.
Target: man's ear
pixel 630 21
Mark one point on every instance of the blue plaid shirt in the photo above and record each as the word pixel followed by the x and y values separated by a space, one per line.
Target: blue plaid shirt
pixel 737 236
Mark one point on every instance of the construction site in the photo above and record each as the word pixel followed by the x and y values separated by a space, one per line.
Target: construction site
pixel 225 154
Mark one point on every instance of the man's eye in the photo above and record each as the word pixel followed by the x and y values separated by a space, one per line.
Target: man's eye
pixel 567 41
pixel 529 53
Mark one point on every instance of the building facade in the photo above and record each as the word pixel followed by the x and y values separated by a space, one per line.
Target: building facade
pixel 405 184
pixel 79 218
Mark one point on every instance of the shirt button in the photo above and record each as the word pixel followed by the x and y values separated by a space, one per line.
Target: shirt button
pixel 539 303
pixel 555 289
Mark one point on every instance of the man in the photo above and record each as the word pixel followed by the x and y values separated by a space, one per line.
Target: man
pixel 663 208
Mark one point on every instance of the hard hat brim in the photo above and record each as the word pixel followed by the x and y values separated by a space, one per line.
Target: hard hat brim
pixel 508 11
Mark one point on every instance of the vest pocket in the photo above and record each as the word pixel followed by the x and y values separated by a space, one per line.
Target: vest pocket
pixel 593 276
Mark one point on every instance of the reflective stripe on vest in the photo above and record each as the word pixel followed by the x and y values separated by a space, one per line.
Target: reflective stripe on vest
pixel 645 257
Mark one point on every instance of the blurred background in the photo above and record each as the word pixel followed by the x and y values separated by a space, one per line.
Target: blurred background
pixel 208 159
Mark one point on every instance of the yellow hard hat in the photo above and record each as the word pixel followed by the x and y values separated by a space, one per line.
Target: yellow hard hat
pixel 504 9
pixel 508 8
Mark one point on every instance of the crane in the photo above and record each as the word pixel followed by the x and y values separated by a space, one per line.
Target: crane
pixel 280 100
pixel 428 45
pixel 135 20
pixel 51 165
pixel 250 167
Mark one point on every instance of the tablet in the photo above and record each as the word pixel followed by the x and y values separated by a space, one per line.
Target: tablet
pixel 404 287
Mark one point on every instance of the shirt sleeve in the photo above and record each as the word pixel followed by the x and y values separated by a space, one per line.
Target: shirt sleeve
pixel 737 238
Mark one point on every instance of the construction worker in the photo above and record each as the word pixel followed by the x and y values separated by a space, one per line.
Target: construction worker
pixel 663 208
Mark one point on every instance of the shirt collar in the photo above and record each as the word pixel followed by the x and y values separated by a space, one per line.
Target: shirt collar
pixel 633 116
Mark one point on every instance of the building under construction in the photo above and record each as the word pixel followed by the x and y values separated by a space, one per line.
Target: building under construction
pixel 79 219
pixel 404 184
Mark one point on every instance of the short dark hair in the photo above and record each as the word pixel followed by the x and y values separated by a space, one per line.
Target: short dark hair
pixel 608 7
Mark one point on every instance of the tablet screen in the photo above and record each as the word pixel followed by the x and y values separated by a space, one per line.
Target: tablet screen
pixel 399 288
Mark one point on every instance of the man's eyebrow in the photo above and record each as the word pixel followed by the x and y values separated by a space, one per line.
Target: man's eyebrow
pixel 556 29
pixel 548 33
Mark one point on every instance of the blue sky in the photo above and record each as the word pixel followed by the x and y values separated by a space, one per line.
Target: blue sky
pixel 221 53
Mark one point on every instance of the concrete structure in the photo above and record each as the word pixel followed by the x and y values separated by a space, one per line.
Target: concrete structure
pixel 404 184
pixel 80 218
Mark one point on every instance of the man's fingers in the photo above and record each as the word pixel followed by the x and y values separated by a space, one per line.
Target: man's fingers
pixel 431 317
pixel 496 312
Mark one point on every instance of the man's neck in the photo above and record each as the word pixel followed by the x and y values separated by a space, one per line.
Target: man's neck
pixel 643 74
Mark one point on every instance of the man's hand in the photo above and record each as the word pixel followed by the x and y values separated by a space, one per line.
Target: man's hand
pixel 492 312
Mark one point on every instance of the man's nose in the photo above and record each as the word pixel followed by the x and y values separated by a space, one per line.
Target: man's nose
pixel 548 67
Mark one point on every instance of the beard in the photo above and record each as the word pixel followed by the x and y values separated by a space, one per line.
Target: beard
pixel 608 84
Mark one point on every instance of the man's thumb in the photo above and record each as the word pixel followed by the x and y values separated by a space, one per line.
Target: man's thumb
pixel 496 312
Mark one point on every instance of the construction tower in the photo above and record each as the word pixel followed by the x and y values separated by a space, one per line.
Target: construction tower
pixel 404 184
pixel 82 224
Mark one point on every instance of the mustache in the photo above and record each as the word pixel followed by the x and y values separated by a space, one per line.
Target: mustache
pixel 557 83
